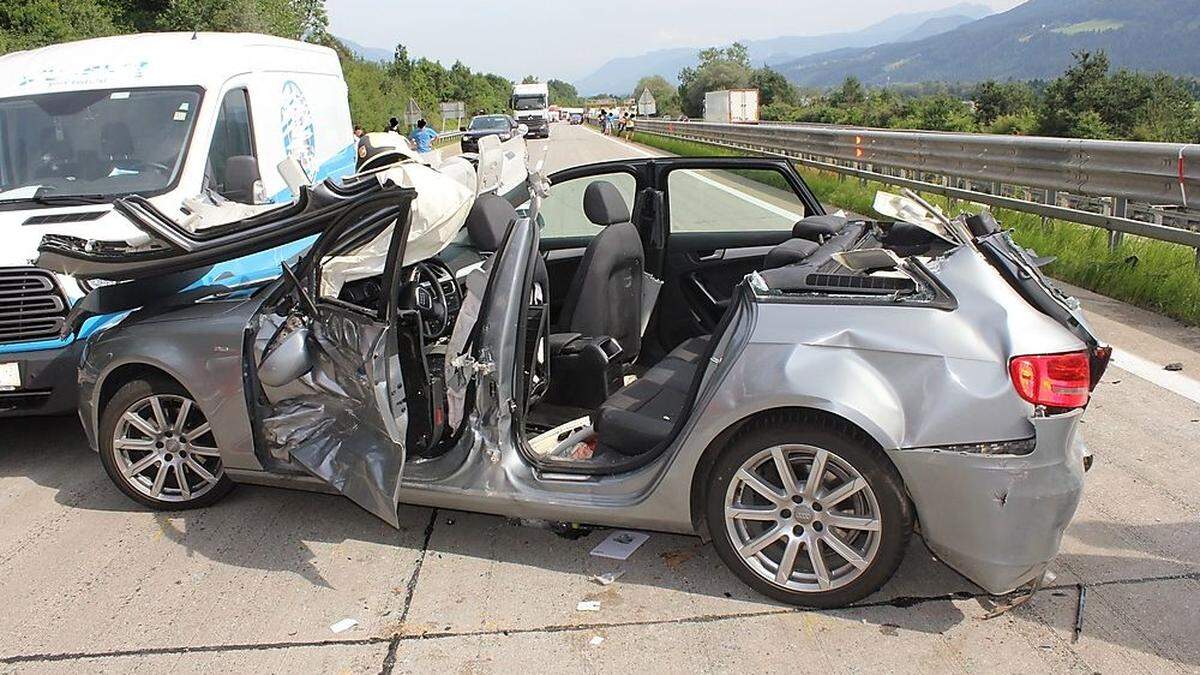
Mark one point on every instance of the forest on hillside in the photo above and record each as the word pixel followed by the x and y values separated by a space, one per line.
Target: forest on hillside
pixel 1090 99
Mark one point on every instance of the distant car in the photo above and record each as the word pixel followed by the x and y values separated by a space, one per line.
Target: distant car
pixel 503 126
pixel 576 118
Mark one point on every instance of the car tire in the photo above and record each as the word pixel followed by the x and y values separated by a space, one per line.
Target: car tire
pixel 872 512
pixel 150 457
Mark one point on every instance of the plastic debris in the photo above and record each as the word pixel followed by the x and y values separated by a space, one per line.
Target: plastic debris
pixel 1079 612
pixel 343 625
pixel 595 641
pixel 607 578
pixel 1174 366
pixel 620 544
pixel 588 606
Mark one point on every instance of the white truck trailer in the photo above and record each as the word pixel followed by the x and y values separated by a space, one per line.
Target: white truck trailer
pixel 731 106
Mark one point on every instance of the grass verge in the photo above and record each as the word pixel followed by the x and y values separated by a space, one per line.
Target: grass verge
pixel 1155 275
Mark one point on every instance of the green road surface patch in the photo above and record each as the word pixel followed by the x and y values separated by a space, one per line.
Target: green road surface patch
pixel 1159 276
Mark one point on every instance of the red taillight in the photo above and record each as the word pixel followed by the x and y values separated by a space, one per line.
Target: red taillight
pixel 1052 380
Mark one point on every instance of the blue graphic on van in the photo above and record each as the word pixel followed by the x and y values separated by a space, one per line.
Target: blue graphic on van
pixel 296 124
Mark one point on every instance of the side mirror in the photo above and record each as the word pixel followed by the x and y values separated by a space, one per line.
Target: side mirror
pixel 462 128
pixel 522 130
pixel 241 174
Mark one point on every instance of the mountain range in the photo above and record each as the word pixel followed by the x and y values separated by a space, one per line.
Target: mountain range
pixel 368 53
pixel 621 74
pixel 1034 40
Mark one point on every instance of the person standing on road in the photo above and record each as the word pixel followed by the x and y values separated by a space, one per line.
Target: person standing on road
pixel 423 137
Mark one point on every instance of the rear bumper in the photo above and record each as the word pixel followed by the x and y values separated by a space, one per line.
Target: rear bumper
pixel 999 519
pixel 49 382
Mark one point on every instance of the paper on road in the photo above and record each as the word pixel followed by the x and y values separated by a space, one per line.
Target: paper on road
pixel 620 544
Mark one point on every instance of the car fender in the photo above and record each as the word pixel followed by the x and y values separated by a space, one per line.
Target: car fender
pixel 213 331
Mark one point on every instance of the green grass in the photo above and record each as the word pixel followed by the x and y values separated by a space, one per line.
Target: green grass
pixel 1156 275
pixel 1093 26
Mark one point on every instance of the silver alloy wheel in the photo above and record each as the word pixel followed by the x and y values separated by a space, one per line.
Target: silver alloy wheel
pixel 164 448
pixel 790 498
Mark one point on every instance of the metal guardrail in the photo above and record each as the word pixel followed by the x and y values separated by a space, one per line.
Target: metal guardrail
pixel 1146 189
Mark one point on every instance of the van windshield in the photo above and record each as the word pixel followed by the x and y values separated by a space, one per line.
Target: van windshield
pixel 534 102
pixel 102 142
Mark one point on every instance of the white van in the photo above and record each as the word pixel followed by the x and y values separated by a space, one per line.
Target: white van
pixel 186 120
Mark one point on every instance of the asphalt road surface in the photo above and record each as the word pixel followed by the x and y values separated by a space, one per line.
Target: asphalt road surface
pixel 91 582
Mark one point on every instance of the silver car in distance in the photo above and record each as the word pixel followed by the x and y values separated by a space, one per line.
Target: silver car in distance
pixel 677 344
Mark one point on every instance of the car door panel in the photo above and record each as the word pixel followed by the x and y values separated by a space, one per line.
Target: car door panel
pixel 707 259
pixel 346 419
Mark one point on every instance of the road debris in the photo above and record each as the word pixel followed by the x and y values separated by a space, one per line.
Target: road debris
pixel 1174 366
pixel 588 606
pixel 607 578
pixel 1079 611
pixel 595 641
pixel 620 544
pixel 343 625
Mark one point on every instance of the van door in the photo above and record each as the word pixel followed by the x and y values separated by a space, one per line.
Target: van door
pixel 339 407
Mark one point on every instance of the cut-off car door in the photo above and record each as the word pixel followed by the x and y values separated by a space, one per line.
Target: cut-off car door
pixel 345 420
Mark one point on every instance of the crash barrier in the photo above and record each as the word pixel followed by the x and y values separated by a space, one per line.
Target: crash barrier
pixel 1146 189
pixel 447 137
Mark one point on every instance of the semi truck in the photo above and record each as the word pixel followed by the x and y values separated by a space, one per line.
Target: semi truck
pixel 531 107
pixel 731 106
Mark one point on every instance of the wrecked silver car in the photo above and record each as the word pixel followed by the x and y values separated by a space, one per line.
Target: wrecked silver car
pixel 677 344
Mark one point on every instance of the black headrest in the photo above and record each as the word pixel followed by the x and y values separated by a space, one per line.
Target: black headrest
pixel 604 205
pixel 488 221
pixel 816 228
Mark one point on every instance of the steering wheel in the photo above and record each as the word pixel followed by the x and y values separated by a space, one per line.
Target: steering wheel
pixel 432 305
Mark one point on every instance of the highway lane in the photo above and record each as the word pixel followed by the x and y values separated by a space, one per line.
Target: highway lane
pixel 91 582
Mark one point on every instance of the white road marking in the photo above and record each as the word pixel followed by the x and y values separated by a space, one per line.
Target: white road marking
pixel 1137 366
pixel 750 199
pixel 1154 374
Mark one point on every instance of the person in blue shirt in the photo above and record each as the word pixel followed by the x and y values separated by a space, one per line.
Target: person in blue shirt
pixel 423 137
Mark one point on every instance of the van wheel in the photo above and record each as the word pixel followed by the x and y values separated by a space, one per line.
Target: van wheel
pixel 808 513
pixel 157 446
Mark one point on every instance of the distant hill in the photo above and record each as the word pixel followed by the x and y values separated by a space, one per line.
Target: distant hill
pixel 368 53
pixel 1033 40
pixel 621 74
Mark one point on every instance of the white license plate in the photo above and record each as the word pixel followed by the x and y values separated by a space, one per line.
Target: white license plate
pixel 10 376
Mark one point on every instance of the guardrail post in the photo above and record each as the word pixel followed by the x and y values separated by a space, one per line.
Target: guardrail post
pixel 1120 209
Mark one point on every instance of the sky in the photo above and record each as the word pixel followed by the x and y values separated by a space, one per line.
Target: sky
pixel 569 39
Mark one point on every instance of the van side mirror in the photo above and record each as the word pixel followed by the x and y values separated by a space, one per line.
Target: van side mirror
pixel 241 174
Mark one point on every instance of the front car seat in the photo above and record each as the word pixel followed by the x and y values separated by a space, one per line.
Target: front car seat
pixel 605 297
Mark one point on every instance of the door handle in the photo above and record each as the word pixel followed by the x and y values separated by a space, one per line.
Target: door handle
pixel 712 255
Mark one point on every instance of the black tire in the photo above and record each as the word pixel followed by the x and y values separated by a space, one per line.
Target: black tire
pixel 895 510
pixel 129 395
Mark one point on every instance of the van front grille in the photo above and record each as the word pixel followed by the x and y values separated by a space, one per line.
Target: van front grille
pixel 31 305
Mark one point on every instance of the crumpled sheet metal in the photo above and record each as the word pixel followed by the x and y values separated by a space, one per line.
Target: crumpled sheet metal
pixel 457 377
pixel 336 431
pixel 998 519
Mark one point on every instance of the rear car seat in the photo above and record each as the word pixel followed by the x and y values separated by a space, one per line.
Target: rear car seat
pixel 808 235
pixel 640 415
